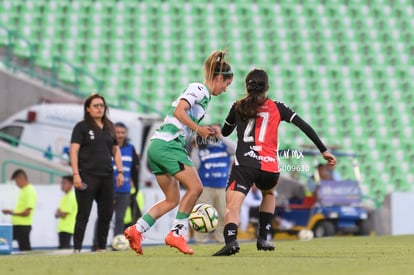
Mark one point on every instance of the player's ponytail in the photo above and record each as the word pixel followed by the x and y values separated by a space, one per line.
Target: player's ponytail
pixel 257 84
pixel 217 64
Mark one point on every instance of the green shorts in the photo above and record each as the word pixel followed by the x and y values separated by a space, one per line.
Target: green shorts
pixel 167 157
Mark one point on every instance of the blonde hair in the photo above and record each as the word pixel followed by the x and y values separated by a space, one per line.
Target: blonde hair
pixel 217 64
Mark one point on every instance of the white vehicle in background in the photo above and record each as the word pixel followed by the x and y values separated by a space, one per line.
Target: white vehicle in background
pixel 45 130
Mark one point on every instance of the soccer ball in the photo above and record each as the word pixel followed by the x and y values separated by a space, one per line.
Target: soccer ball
pixel 305 235
pixel 203 218
pixel 119 242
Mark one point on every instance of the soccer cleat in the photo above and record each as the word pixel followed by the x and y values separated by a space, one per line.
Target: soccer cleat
pixel 134 238
pixel 228 249
pixel 262 244
pixel 178 242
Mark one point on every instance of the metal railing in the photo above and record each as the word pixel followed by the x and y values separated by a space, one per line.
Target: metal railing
pixel 78 73
pixel 15 142
pixel 52 172
pixel 48 155
pixel 124 99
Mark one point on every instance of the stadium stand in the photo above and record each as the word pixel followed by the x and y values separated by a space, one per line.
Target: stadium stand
pixel 346 66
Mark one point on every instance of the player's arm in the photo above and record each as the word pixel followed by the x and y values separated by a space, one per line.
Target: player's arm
pixel 310 132
pixel 230 144
pixel 289 115
pixel 180 113
pixel 230 122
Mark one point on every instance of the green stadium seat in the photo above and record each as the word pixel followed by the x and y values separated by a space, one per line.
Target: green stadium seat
pixel 9 14
pixel 66 73
pixel 71 50
pixel 22 48
pixel 30 30
pixel 45 54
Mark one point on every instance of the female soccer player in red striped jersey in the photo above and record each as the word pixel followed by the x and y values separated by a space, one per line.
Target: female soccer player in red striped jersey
pixel 257 119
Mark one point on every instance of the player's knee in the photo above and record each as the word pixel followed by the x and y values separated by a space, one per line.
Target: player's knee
pixel 199 190
pixel 196 190
pixel 172 202
pixel 170 205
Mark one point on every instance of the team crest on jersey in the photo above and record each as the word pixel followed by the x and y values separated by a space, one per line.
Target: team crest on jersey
pixel 203 103
pixel 91 135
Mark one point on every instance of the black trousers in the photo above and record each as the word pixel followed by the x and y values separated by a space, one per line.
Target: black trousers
pixel 21 233
pixel 100 189
pixel 64 240
pixel 121 203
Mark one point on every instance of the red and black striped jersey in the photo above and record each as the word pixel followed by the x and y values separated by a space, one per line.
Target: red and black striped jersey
pixel 257 138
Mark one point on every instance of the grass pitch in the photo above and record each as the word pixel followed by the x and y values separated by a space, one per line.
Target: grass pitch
pixel 338 255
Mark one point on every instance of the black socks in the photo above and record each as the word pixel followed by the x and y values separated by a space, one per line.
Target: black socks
pixel 230 232
pixel 265 224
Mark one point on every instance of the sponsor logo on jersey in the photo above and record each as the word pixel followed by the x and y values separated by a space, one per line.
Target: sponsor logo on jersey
pixel 256 148
pixel 253 154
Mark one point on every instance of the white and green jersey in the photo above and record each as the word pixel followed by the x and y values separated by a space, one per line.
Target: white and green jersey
pixel 198 96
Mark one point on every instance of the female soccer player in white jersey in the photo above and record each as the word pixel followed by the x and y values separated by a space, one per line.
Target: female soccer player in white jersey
pixel 169 160
pixel 257 119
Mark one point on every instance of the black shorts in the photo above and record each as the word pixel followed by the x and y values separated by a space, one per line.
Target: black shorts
pixel 243 177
